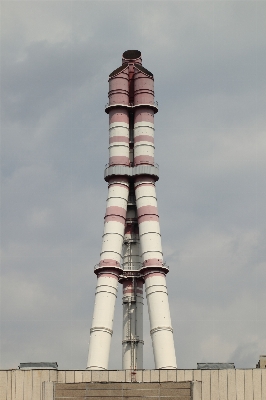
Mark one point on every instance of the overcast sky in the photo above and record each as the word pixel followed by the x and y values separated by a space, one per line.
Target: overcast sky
pixel 208 60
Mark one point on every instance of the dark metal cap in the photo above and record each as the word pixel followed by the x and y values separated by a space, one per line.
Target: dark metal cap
pixel 131 54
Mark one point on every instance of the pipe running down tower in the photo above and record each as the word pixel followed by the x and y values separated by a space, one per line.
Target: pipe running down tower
pixel 131 246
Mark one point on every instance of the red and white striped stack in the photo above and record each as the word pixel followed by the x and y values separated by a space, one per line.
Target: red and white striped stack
pixel 131 247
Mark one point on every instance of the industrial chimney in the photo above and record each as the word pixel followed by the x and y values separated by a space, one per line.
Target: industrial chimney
pixel 131 246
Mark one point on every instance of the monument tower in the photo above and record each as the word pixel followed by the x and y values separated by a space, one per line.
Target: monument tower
pixel 131 245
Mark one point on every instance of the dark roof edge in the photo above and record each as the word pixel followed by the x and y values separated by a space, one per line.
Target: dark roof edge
pixel 144 70
pixel 117 70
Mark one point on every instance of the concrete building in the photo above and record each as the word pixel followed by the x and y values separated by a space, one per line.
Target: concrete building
pixel 51 384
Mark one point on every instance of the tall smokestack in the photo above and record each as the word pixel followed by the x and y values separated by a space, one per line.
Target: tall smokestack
pixel 131 247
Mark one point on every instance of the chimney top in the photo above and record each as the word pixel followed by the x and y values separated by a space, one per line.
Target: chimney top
pixel 131 54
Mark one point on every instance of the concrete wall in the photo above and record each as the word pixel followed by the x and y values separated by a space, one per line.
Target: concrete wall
pixel 239 384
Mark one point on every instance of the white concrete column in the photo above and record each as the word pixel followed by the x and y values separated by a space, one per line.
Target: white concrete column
pixel 153 269
pixel 102 321
pixel 108 271
pixel 160 321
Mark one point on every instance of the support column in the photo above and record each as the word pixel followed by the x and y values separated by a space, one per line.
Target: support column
pixel 132 323
pixel 161 330
pixel 102 322
pixel 108 271
pixel 154 274
pixel 153 268
pixel 132 291
pixel 109 268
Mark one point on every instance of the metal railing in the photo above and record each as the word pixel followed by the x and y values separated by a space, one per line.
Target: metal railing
pixel 97 266
pixel 130 165
pixel 148 103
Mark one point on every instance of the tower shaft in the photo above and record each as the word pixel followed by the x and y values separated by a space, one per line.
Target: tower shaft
pixel 131 247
